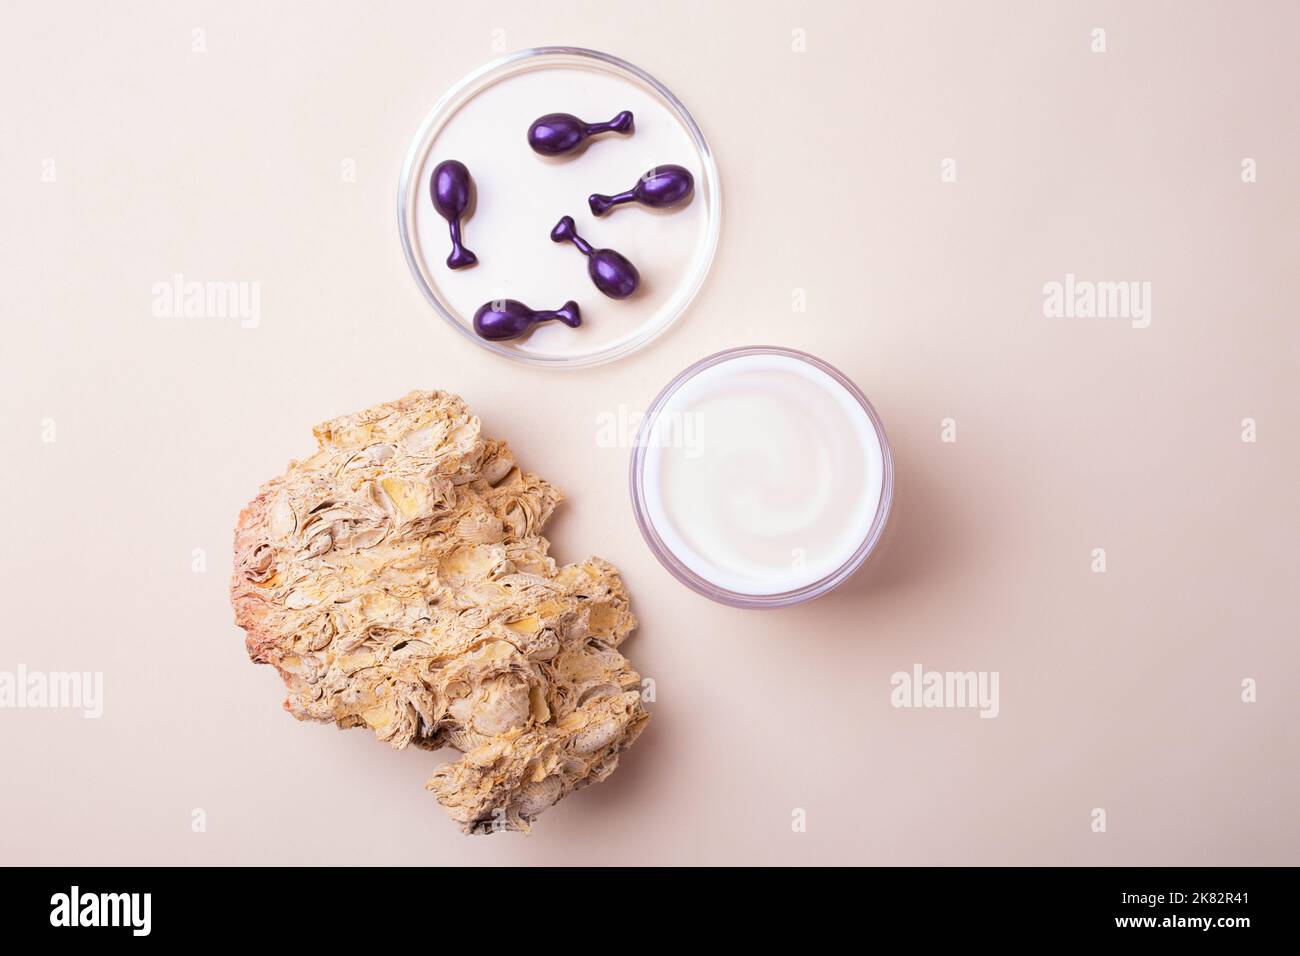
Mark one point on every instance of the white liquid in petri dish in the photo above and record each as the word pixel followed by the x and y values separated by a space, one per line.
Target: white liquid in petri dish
pixel 762 473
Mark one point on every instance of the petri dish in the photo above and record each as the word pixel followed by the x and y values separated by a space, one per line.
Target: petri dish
pixel 761 477
pixel 483 121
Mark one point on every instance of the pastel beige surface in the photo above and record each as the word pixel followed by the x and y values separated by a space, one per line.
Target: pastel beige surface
pixel 1119 690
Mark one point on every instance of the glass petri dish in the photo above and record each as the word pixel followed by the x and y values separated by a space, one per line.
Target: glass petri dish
pixel 761 477
pixel 483 121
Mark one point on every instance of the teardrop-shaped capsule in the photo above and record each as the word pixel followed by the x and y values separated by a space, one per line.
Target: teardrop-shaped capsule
pixel 659 188
pixel 450 185
pixel 503 319
pixel 609 270
pixel 558 133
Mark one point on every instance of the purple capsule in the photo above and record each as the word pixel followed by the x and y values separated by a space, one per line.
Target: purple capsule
pixel 659 188
pixel 510 319
pixel 557 133
pixel 610 271
pixel 450 186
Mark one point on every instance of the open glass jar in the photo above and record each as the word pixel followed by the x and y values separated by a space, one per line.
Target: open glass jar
pixel 761 477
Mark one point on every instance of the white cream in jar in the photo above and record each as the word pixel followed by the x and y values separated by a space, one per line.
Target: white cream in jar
pixel 762 477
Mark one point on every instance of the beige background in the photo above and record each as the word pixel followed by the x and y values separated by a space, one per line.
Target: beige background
pixel 1118 690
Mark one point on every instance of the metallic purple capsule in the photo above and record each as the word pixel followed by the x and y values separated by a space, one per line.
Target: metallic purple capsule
pixel 610 271
pixel 557 133
pixel 450 187
pixel 509 319
pixel 659 188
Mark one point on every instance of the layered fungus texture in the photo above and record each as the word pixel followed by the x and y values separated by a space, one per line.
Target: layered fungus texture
pixel 398 581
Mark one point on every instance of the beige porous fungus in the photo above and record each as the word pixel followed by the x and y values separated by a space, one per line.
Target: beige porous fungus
pixel 398 580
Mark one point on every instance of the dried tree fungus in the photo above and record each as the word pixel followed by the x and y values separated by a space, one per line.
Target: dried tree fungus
pixel 398 580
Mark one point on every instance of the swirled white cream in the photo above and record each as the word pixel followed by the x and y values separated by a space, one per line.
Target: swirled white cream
pixel 763 474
